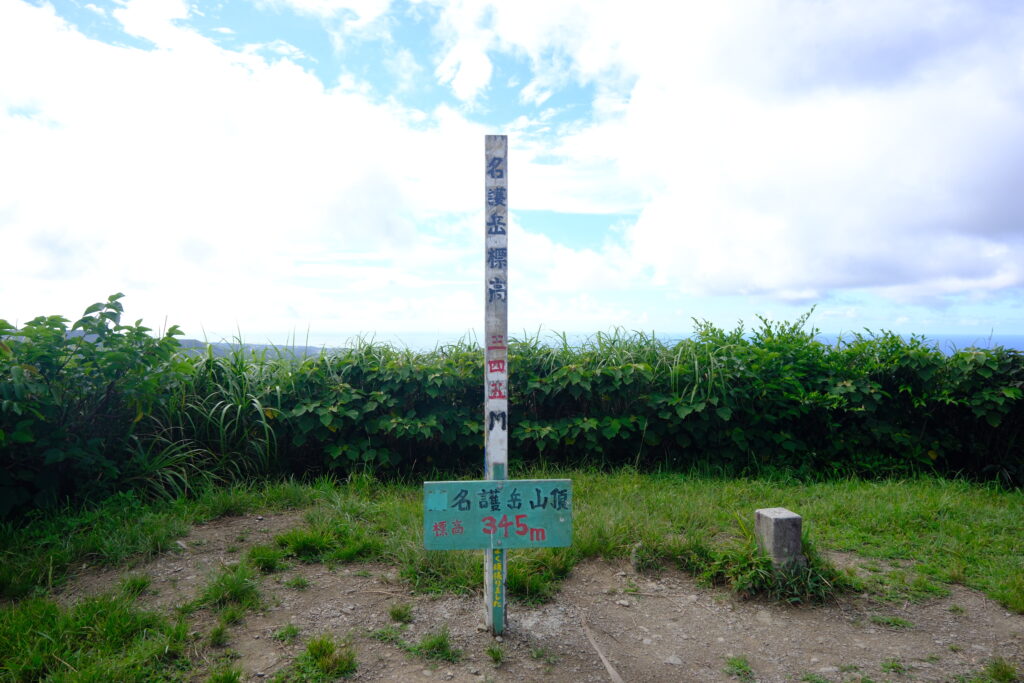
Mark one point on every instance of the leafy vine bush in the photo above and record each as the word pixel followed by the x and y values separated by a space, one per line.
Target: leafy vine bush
pixel 79 414
pixel 773 398
pixel 72 400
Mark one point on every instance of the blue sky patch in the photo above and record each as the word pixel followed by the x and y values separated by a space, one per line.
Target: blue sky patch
pixel 575 230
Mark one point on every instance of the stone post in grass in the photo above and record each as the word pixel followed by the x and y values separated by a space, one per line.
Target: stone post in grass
pixel 778 532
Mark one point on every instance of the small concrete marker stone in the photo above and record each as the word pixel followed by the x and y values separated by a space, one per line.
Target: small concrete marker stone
pixel 778 532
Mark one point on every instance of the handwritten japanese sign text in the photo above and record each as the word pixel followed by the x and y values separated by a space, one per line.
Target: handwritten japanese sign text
pixel 520 513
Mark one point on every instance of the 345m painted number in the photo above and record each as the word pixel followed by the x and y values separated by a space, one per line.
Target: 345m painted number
pixel 493 526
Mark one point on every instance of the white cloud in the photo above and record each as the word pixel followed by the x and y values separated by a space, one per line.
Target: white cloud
pixel 405 69
pixel 465 65
pixel 281 48
pixel 792 152
pixel 356 12
pixel 221 173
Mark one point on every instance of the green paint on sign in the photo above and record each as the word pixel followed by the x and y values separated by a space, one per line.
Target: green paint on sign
pixel 497 514
pixel 437 501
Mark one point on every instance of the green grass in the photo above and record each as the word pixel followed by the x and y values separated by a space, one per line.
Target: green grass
pixel 943 525
pixel 390 634
pixel 233 587
pixel 948 530
pixel 229 675
pixel 891 622
pixel 135 585
pixel 893 666
pixel 100 638
pixel 308 545
pixel 324 659
pixel 401 612
pixel 919 535
pixel 1001 671
pixel 231 614
pixel 35 557
pixel 299 583
pixel 496 653
pixel 266 558
pixel 740 668
pixel 287 634
pixel 997 670
pixel 218 636
pixel 437 645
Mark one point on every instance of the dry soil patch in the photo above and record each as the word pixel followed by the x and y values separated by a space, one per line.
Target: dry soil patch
pixel 648 627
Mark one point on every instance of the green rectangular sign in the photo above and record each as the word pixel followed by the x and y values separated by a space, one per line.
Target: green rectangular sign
pixel 500 514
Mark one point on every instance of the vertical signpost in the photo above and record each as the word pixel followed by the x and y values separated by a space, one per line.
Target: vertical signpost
pixel 497 513
pixel 495 354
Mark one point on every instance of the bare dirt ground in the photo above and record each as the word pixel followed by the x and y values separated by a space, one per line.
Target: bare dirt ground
pixel 659 627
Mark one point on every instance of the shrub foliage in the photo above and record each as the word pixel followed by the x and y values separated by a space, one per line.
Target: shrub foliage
pixel 72 400
pixel 103 404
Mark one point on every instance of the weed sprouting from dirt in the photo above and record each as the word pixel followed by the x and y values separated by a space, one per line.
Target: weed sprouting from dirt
pixel 135 585
pixel 234 585
pixel 496 653
pixel 324 659
pixel 265 558
pixel 740 668
pixel 308 545
pixel 286 634
pixel 893 666
pixel 218 636
pixel 438 645
pixel 401 612
pixel 891 622
pixel 299 583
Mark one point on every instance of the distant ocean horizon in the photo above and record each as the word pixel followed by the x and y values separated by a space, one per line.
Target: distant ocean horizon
pixel 427 341
pixel 947 343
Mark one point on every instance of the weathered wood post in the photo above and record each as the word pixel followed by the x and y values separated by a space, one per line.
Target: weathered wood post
pixel 496 514
pixel 495 354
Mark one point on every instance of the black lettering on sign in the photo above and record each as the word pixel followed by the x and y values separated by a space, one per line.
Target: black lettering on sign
pixel 497 196
pixel 494 167
pixel 496 225
pixel 495 417
pixel 497 290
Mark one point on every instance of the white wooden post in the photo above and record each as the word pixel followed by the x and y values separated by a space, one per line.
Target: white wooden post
pixel 496 419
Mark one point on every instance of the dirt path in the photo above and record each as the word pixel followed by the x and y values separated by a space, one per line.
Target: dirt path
pixel 648 627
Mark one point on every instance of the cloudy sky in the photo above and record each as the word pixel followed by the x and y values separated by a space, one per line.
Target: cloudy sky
pixel 278 167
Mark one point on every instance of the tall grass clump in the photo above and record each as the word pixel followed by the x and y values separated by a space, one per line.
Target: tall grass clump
pixel 324 659
pixel 101 638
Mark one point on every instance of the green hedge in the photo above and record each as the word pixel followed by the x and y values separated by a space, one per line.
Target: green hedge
pixel 774 398
pixel 92 414
pixel 71 403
